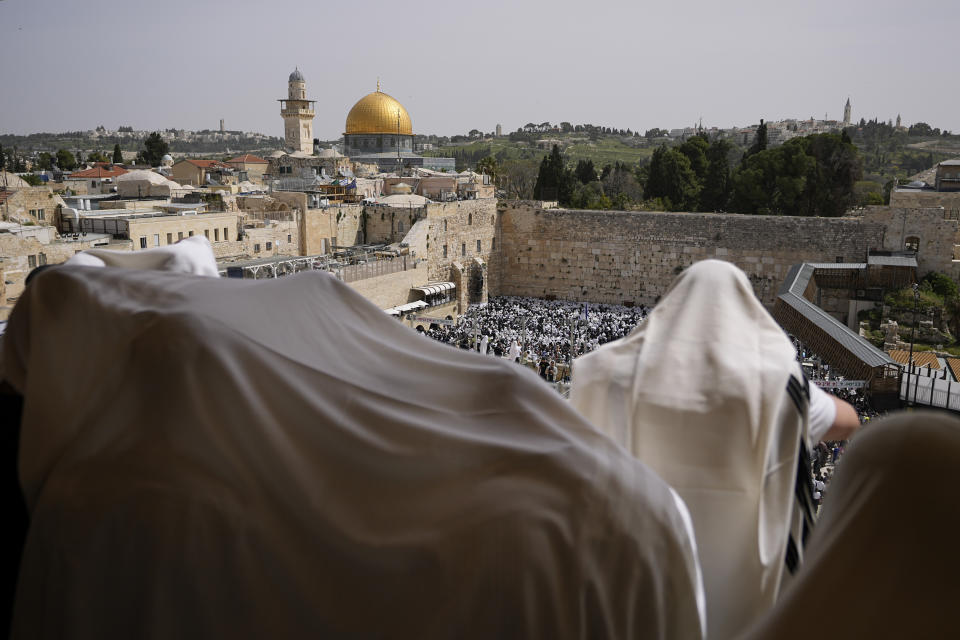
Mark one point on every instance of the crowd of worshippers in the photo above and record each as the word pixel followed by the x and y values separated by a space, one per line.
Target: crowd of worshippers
pixel 544 335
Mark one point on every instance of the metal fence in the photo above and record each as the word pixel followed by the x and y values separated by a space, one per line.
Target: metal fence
pixel 930 389
pixel 354 272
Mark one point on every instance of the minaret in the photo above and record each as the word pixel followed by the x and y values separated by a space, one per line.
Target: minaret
pixel 846 113
pixel 898 121
pixel 297 113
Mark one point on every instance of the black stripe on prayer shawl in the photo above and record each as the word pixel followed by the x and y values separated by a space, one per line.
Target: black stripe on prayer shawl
pixel 799 393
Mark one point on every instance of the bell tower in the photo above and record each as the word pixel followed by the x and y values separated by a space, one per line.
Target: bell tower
pixel 846 112
pixel 297 113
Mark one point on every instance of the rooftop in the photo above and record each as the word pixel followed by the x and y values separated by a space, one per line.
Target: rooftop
pixel 206 164
pixel 110 171
pixel 791 293
pixel 248 158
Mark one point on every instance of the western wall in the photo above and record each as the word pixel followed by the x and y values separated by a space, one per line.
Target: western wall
pixel 632 257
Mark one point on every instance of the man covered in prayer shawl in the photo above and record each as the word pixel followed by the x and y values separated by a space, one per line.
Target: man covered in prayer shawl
pixel 227 458
pixel 707 391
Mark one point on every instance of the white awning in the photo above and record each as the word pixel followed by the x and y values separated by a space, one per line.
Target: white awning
pixel 403 308
pixel 432 288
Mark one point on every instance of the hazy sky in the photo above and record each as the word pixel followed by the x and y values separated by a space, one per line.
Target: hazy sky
pixel 69 65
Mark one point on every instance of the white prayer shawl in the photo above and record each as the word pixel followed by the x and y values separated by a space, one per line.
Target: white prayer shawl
pixel 883 560
pixel 514 350
pixel 699 392
pixel 484 343
pixel 220 458
pixel 190 255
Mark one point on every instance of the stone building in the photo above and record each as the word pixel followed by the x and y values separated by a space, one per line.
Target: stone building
pixel 253 166
pixel 30 205
pixel 297 113
pixel 944 192
pixel 196 172
pixel 22 249
pixel 100 178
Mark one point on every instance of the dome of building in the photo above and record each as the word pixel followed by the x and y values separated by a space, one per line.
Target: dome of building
pixel 296 76
pixel 377 113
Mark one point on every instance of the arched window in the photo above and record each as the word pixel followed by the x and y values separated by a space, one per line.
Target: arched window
pixel 469 218
pixel 444 225
pixel 912 243
pixel 399 225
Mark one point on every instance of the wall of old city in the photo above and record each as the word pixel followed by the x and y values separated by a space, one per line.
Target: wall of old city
pixel 392 289
pixel 917 199
pixel 935 231
pixel 464 243
pixel 632 257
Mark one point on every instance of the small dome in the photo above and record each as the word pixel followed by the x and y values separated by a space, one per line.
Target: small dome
pixel 166 160
pixel 296 76
pixel 378 113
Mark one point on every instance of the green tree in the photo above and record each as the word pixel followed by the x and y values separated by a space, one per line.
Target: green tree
pixel 813 175
pixel 555 180
pixel 32 179
pixel 696 151
pixel 839 167
pixel 759 140
pixel 942 285
pixel 154 148
pixel 97 156
pixel 621 186
pixel 65 160
pixel 671 178
pixel 117 154
pixel 488 165
pixel 585 171
pixel 717 183
pixel 590 196
pixel 44 161
pixel 3 159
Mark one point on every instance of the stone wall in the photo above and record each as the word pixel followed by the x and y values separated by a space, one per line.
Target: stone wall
pixel 32 204
pixel 632 257
pixel 917 199
pixel 338 225
pixel 282 236
pixel 938 235
pixel 393 289
pixel 163 230
pixel 390 224
pixel 19 256
pixel 459 226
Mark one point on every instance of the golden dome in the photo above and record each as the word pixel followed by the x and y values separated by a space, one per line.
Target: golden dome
pixel 377 113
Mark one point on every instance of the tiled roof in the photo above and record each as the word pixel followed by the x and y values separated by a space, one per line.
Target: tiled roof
pixel 920 358
pixel 954 365
pixel 248 158
pixel 111 171
pixel 206 164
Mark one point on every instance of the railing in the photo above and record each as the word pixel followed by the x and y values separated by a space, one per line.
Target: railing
pixel 928 388
pixel 354 272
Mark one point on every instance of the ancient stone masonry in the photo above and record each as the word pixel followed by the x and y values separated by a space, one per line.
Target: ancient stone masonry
pixel 632 257
pixel 932 232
